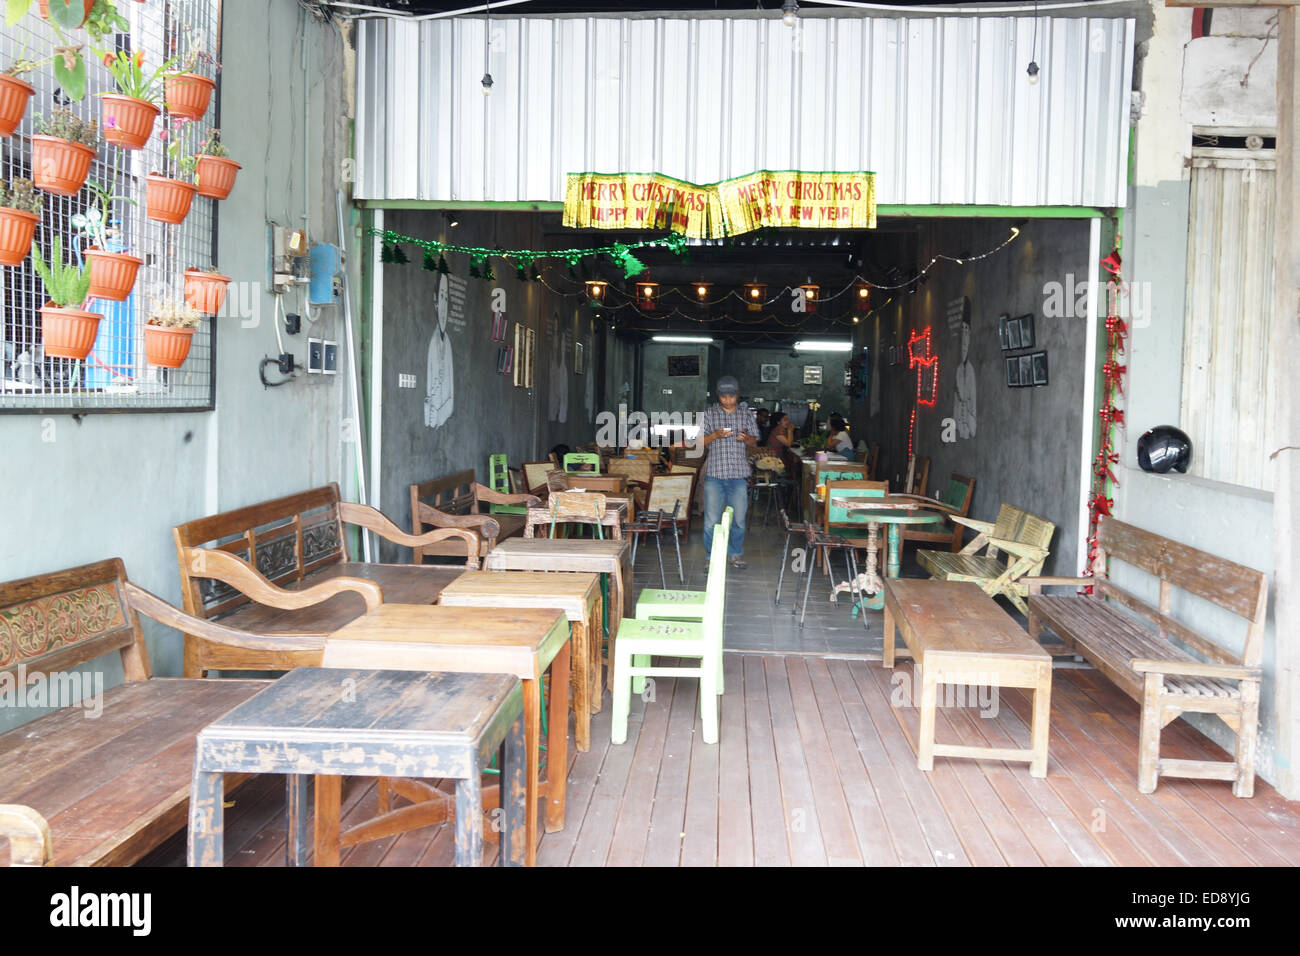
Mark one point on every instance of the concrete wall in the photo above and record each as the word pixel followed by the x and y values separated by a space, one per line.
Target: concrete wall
pixel 1026 446
pixel 688 394
pixel 116 484
pixel 489 414
pixel 744 363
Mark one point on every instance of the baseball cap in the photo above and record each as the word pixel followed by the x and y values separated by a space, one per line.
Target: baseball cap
pixel 727 385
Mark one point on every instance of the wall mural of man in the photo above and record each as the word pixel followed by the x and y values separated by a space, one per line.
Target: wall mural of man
pixel 964 389
pixel 439 394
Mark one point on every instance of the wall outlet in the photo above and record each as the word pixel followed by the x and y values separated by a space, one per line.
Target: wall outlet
pixel 668 391
pixel 331 365
pixel 405 381
pixel 315 356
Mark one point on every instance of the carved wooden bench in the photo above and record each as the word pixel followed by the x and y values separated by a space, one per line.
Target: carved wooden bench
pixel 1156 659
pixel 293 543
pixel 455 502
pixel 105 791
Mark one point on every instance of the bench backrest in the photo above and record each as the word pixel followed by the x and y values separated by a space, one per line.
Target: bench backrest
pixel 53 622
pixel 958 493
pixel 285 539
pixel 1231 586
pixel 452 494
pixel 849 488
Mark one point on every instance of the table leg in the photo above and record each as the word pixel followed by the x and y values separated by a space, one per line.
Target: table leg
pixel 595 644
pixel 1042 716
pixel 512 794
pixel 877 600
pixel 619 602
pixel 296 801
pixel 557 741
pixel 329 799
pixel 532 735
pixel 207 819
pixel 895 550
pixel 580 684
pixel 925 733
pixel 469 820
pixel 889 638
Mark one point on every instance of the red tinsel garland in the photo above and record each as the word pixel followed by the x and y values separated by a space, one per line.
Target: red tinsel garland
pixel 1100 501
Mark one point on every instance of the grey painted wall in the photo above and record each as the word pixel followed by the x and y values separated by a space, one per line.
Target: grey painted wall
pixel 744 363
pixel 116 484
pixel 490 414
pixel 1026 446
pixel 689 394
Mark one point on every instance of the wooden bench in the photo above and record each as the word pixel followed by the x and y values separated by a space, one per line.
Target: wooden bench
pixel 293 543
pixel 1023 536
pixel 1153 657
pixel 106 791
pixel 456 502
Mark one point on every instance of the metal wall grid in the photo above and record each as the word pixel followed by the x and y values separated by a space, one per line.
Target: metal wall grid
pixel 939 108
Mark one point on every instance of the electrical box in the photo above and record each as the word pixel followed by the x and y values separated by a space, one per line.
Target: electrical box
pixel 331 362
pixel 289 263
pixel 315 356
pixel 326 267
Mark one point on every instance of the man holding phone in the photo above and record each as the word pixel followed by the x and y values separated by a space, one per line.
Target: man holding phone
pixel 726 429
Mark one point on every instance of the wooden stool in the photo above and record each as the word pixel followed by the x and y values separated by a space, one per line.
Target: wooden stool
pixel 366 723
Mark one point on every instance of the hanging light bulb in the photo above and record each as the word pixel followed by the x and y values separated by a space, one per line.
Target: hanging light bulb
pixel 790 12
pixel 1033 73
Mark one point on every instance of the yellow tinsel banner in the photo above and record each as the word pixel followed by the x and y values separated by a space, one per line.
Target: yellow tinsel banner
pixel 758 200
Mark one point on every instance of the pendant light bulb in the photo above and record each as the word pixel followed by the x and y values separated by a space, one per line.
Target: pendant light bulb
pixel 1033 73
pixel 790 12
pixel 487 84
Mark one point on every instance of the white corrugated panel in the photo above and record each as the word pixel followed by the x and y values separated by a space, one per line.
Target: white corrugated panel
pixel 1230 365
pixel 939 108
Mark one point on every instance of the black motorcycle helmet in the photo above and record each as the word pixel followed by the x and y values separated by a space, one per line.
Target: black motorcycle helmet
pixel 1164 447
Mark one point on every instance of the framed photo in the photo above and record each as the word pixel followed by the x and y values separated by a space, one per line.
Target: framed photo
pixel 1003 340
pixel 812 374
pixel 530 356
pixel 499 324
pixel 1026 323
pixel 578 359
pixel 518 366
pixel 503 360
pixel 769 373
pixel 1013 334
pixel 1040 368
pixel 1013 372
pixel 684 366
pixel 1026 370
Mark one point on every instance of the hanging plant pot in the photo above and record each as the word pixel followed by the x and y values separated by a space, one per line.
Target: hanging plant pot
pixel 45 10
pixel 112 274
pixel 68 333
pixel 216 176
pixel 127 121
pixel 167 347
pixel 60 166
pixel 14 96
pixel 187 94
pixel 168 200
pixel 16 230
pixel 205 291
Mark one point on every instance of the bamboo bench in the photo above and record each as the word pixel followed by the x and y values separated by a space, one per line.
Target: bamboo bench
pixel 1153 657
pixel 455 502
pixel 76 791
pixel 293 543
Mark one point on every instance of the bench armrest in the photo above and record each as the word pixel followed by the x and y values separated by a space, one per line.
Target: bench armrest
pixel 1019 550
pixel 934 504
pixel 228 569
pixel 1036 585
pixel 1195 669
pixel 983 527
pixel 28 833
pixel 150 605
pixel 374 520
pixel 486 525
pixel 484 493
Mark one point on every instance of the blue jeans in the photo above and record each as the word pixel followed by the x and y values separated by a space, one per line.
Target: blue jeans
pixel 718 493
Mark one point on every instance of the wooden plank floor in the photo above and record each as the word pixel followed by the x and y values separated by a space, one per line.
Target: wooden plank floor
pixel 816 766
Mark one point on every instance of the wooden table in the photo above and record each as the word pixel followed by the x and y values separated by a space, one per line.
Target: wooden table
pixel 616 512
pixel 522 643
pixel 959 635
pixel 577 595
pixel 895 511
pixel 574 554
pixel 366 723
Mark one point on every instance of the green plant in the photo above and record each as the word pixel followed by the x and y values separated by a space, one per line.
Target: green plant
pixel 196 55
pixel 129 74
pixel 21 195
pixel 69 67
pixel 66 124
pixel 212 146
pixel 815 442
pixel 182 160
pixel 66 285
pixel 174 315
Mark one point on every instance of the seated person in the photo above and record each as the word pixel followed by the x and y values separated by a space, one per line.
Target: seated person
pixel 558 453
pixel 780 434
pixel 838 439
pixel 763 417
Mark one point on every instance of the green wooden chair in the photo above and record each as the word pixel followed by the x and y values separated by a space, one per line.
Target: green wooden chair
pixel 954 502
pixel 677 604
pixel 640 640
pixel 1023 536
pixel 499 481
pixel 582 462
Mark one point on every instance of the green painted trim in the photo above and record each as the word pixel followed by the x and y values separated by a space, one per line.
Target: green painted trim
pixel 994 212
pixel 417 204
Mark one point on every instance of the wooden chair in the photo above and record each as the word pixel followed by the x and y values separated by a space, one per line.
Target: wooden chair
pixel 28 835
pixel 918 476
pixel 676 604
pixel 577 507
pixel 840 532
pixel 955 501
pixel 582 461
pixel 1023 536
pixel 585 481
pixel 651 523
pixel 697 490
pixel 641 640
pixel 664 495
pixel 535 474
pixel 499 481
pixel 457 501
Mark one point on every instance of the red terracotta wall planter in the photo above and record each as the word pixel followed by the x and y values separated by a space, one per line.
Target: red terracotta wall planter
pixel 127 121
pixel 216 176
pixel 60 166
pixel 205 291
pixel 187 94
pixel 168 200
pixel 16 231
pixel 68 333
pixel 112 274
pixel 14 96
pixel 166 347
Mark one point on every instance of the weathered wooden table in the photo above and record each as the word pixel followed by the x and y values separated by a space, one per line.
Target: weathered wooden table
pixel 523 643
pixel 577 595
pixel 613 558
pixel 959 635
pixel 894 511
pixel 616 512
pixel 366 723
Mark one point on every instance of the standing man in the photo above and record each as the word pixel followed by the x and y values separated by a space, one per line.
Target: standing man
pixel 726 432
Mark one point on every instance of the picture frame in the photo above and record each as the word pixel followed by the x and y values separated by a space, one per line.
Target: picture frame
pixel 1004 341
pixel 579 359
pixel 812 374
pixel 530 357
pixel 518 367
pixel 1026 370
pixel 769 373
pixel 1040 368
pixel 499 324
pixel 1026 324
pixel 684 366
pixel 1013 372
pixel 503 360
pixel 1013 334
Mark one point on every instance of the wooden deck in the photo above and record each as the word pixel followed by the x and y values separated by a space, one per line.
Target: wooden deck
pixel 816 767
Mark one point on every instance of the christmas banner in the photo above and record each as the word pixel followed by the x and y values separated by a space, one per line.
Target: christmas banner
pixel 781 200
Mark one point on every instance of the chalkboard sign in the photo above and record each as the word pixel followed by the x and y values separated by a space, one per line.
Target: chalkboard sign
pixel 684 366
